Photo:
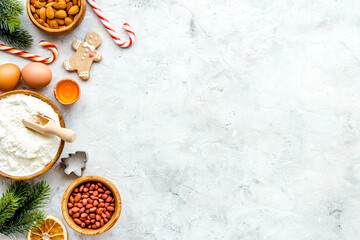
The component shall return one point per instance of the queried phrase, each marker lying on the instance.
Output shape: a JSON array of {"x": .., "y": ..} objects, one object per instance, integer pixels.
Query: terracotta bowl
[
  {"x": 70, "y": 221},
  {"x": 62, "y": 123},
  {"x": 76, "y": 22}
]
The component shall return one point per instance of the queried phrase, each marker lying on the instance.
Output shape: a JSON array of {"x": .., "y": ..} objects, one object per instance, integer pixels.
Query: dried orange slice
[{"x": 51, "y": 229}]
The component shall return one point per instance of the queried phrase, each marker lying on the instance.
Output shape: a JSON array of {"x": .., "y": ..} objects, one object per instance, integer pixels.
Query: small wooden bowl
[
  {"x": 76, "y": 22},
  {"x": 70, "y": 221},
  {"x": 62, "y": 123}
]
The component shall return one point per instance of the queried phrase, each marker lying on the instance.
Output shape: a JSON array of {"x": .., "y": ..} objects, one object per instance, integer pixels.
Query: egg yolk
[{"x": 68, "y": 92}]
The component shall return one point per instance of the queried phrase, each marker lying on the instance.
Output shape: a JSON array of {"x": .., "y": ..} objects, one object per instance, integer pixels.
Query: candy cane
[
  {"x": 33, "y": 57},
  {"x": 110, "y": 29}
]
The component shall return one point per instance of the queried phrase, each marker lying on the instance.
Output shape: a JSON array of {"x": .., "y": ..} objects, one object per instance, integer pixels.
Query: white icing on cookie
[{"x": 67, "y": 64}]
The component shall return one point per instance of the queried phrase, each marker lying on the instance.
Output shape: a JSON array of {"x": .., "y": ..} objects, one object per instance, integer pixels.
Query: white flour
[{"x": 23, "y": 151}]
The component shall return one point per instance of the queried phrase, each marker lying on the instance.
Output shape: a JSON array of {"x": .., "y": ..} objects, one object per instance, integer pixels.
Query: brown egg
[
  {"x": 9, "y": 76},
  {"x": 36, "y": 75}
]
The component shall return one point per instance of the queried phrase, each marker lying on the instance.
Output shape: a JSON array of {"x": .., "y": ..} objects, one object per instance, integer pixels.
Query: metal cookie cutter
[{"x": 76, "y": 163}]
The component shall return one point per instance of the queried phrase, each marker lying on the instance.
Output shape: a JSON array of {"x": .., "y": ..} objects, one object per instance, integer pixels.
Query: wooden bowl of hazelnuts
[
  {"x": 56, "y": 17},
  {"x": 91, "y": 205}
]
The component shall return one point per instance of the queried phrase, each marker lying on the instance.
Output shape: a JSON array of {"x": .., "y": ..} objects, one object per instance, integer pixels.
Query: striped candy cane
[
  {"x": 33, "y": 57},
  {"x": 110, "y": 29}
]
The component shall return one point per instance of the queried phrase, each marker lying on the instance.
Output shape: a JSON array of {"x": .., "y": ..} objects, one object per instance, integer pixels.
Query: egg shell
[
  {"x": 9, "y": 76},
  {"x": 36, "y": 75}
]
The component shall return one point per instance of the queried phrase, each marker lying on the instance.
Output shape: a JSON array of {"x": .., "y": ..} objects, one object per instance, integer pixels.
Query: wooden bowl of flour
[{"x": 62, "y": 124}]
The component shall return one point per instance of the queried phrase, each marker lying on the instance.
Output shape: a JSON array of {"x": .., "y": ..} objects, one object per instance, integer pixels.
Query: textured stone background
[{"x": 232, "y": 119}]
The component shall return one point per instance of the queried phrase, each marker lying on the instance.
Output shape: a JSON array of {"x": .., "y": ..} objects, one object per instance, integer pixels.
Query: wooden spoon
[{"x": 47, "y": 126}]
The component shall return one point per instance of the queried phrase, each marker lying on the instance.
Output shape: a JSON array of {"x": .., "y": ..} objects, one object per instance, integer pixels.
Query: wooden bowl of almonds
[
  {"x": 56, "y": 17},
  {"x": 91, "y": 205}
]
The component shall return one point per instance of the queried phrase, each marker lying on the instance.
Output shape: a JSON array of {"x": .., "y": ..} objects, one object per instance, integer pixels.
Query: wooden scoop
[{"x": 47, "y": 126}]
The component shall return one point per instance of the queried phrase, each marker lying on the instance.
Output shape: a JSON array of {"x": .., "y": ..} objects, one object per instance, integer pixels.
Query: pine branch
[
  {"x": 9, "y": 203},
  {"x": 10, "y": 24},
  {"x": 21, "y": 224},
  {"x": 11, "y": 32},
  {"x": 11, "y": 8},
  {"x": 19, "y": 38},
  {"x": 37, "y": 196},
  {"x": 12, "y": 200},
  {"x": 19, "y": 189},
  {"x": 18, "y": 219},
  {"x": 9, "y": 12}
]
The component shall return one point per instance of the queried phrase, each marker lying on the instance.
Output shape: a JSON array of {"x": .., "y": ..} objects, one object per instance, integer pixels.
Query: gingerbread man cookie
[{"x": 85, "y": 55}]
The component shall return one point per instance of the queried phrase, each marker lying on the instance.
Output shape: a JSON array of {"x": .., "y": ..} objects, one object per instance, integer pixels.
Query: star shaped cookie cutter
[{"x": 75, "y": 163}]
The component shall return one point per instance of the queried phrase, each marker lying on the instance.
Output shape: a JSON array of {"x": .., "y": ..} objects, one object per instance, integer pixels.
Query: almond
[
  {"x": 40, "y": 21},
  {"x": 32, "y": 8},
  {"x": 60, "y": 5},
  {"x": 74, "y": 10},
  {"x": 37, "y": 4},
  {"x": 78, "y": 196},
  {"x": 68, "y": 6},
  {"x": 37, "y": 11},
  {"x": 60, "y": 22},
  {"x": 36, "y": 16},
  {"x": 68, "y": 21},
  {"x": 97, "y": 224},
  {"x": 60, "y": 14},
  {"x": 53, "y": 24},
  {"x": 50, "y": 13},
  {"x": 49, "y": 4},
  {"x": 75, "y": 2},
  {"x": 75, "y": 209},
  {"x": 46, "y": 25},
  {"x": 43, "y": 14},
  {"x": 77, "y": 221}
]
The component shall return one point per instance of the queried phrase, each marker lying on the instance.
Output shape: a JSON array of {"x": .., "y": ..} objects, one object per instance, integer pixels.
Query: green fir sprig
[
  {"x": 11, "y": 32},
  {"x": 20, "y": 207}
]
